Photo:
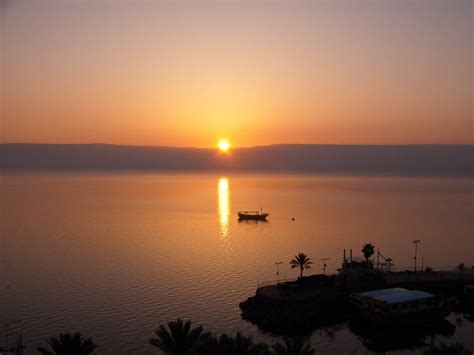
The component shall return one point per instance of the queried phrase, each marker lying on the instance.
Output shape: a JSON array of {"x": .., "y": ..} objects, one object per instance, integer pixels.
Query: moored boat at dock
[{"x": 394, "y": 307}]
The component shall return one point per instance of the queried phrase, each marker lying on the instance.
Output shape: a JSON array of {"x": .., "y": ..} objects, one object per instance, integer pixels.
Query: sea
[{"x": 114, "y": 254}]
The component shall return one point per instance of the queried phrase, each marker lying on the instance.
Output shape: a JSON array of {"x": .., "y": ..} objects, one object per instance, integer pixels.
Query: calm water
[{"x": 115, "y": 254}]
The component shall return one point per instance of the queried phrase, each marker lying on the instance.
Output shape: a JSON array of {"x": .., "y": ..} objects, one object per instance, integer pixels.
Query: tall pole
[
  {"x": 350, "y": 260},
  {"x": 324, "y": 264},
  {"x": 416, "y": 250},
  {"x": 278, "y": 263}
]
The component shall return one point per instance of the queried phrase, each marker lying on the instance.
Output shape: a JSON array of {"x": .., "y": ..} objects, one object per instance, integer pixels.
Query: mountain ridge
[{"x": 431, "y": 159}]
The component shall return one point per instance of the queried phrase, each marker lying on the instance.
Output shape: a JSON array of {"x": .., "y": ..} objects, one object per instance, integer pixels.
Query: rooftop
[{"x": 396, "y": 295}]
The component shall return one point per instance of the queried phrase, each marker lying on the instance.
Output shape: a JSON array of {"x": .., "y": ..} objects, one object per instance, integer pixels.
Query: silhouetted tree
[
  {"x": 368, "y": 251},
  {"x": 301, "y": 261},
  {"x": 69, "y": 344},
  {"x": 209, "y": 345},
  {"x": 461, "y": 267},
  {"x": 241, "y": 345},
  {"x": 178, "y": 339},
  {"x": 226, "y": 344},
  {"x": 293, "y": 346}
]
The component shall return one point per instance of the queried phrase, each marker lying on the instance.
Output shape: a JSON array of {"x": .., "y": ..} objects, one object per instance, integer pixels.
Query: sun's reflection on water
[{"x": 224, "y": 210}]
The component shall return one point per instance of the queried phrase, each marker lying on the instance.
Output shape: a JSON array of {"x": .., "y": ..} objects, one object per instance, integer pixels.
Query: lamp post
[
  {"x": 278, "y": 263},
  {"x": 416, "y": 250},
  {"x": 324, "y": 264}
]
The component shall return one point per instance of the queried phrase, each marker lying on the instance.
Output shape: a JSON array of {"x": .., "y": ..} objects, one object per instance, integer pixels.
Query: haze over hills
[{"x": 401, "y": 159}]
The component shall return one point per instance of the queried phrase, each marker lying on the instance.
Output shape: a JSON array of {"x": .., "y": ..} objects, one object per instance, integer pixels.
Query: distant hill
[{"x": 400, "y": 159}]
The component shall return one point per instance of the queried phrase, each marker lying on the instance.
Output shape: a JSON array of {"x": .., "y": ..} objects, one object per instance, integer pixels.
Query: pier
[{"x": 301, "y": 305}]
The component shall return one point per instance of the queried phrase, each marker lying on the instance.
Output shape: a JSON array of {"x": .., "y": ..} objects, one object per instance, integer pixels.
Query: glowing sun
[{"x": 223, "y": 145}]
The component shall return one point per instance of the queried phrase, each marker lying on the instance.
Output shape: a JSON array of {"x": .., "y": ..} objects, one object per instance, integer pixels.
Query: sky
[{"x": 188, "y": 73}]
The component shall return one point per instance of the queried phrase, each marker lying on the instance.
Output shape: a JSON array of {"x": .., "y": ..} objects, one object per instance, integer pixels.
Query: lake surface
[{"x": 114, "y": 255}]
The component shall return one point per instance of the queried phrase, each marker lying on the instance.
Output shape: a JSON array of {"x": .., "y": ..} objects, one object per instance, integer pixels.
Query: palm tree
[
  {"x": 293, "y": 346},
  {"x": 368, "y": 251},
  {"x": 69, "y": 344},
  {"x": 178, "y": 339},
  {"x": 302, "y": 261},
  {"x": 209, "y": 345},
  {"x": 461, "y": 267},
  {"x": 241, "y": 345},
  {"x": 226, "y": 344}
]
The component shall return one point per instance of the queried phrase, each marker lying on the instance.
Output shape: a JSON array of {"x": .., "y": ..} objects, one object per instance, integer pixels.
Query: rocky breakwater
[{"x": 293, "y": 309}]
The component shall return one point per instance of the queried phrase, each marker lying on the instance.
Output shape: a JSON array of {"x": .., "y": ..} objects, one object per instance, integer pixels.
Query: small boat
[
  {"x": 252, "y": 215},
  {"x": 394, "y": 307}
]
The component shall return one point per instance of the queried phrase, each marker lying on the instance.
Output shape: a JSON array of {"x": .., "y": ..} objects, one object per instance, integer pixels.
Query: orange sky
[{"x": 187, "y": 73}]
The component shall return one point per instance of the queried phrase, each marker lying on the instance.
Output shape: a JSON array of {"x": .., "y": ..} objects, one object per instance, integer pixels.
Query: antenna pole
[
  {"x": 416, "y": 250},
  {"x": 278, "y": 263}
]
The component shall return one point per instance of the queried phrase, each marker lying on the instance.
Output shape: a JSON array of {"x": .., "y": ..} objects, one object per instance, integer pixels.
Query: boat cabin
[{"x": 255, "y": 213}]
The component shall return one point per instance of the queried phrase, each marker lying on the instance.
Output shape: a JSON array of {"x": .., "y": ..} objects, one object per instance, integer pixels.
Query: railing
[
  {"x": 437, "y": 268},
  {"x": 405, "y": 274},
  {"x": 451, "y": 275},
  {"x": 274, "y": 282}
]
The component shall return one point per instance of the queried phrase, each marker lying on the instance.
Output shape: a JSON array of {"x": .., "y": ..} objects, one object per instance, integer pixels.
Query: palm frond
[
  {"x": 293, "y": 346},
  {"x": 178, "y": 339},
  {"x": 69, "y": 344}
]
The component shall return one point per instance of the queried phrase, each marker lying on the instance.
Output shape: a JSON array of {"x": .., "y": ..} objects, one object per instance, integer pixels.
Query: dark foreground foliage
[
  {"x": 180, "y": 338},
  {"x": 69, "y": 344}
]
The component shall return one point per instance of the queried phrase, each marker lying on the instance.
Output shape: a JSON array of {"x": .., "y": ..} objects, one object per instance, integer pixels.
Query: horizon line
[{"x": 247, "y": 147}]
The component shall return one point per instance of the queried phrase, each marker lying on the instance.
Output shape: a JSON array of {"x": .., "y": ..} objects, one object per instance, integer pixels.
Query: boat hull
[{"x": 254, "y": 217}]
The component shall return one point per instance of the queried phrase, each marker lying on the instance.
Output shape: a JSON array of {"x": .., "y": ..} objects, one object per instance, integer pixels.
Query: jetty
[{"x": 299, "y": 306}]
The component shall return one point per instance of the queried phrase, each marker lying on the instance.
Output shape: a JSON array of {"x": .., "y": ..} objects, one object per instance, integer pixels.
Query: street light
[
  {"x": 324, "y": 264},
  {"x": 416, "y": 250},
  {"x": 278, "y": 263}
]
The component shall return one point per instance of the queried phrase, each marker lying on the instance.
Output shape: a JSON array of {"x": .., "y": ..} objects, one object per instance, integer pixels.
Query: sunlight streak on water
[{"x": 223, "y": 196}]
